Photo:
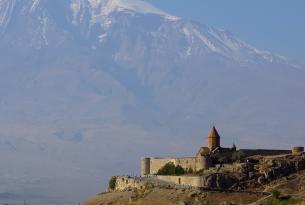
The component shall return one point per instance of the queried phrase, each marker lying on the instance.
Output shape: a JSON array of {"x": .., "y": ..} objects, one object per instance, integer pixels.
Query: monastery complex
[{"x": 202, "y": 160}]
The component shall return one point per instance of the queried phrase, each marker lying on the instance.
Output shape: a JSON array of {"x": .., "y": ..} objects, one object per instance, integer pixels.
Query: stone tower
[
  {"x": 213, "y": 139},
  {"x": 145, "y": 166}
]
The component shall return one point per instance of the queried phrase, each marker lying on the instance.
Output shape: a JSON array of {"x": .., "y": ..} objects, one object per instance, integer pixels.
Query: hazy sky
[{"x": 274, "y": 25}]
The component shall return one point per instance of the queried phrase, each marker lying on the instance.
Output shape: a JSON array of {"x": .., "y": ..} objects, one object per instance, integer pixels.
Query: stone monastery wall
[
  {"x": 157, "y": 163},
  {"x": 265, "y": 152},
  {"x": 151, "y": 166},
  {"x": 186, "y": 163},
  {"x": 192, "y": 181},
  {"x": 125, "y": 182}
]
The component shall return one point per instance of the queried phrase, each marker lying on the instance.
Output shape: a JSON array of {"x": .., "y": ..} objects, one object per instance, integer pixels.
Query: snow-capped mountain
[
  {"x": 83, "y": 82},
  {"x": 95, "y": 20}
]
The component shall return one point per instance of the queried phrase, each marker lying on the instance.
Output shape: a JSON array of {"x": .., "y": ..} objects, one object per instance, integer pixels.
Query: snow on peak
[
  {"x": 224, "y": 43},
  {"x": 138, "y": 6},
  {"x": 6, "y": 10},
  {"x": 35, "y": 4}
]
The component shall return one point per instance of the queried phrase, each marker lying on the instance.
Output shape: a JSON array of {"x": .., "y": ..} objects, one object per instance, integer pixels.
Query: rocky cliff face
[
  {"x": 277, "y": 168},
  {"x": 249, "y": 175},
  {"x": 259, "y": 174}
]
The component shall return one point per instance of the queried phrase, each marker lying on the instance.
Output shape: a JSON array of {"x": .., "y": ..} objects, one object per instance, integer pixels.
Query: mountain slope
[{"x": 83, "y": 82}]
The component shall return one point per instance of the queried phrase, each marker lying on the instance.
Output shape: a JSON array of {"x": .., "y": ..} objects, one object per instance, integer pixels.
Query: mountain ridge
[{"x": 216, "y": 40}]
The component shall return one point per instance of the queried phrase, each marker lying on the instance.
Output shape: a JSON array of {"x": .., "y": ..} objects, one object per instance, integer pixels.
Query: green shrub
[
  {"x": 167, "y": 169},
  {"x": 112, "y": 183},
  {"x": 278, "y": 199},
  {"x": 275, "y": 194},
  {"x": 190, "y": 171},
  {"x": 179, "y": 170},
  {"x": 274, "y": 201},
  {"x": 170, "y": 169}
]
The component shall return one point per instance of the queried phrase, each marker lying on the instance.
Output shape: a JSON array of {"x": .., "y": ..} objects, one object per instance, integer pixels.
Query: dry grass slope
[{"x": 163, "y": 196}]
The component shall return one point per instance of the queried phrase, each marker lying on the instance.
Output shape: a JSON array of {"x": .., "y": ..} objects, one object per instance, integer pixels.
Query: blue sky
[{"x": 274, "y": 25}]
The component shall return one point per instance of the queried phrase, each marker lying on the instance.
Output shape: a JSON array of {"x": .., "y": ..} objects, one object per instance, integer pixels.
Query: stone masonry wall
[
  {"x": 193, "y": 181},
  {"x": 125, "y": 182},
  {"x": 157, "y": 163},
  {"x": 186, "y": 163},
  {"x": 264, "y": 152}
]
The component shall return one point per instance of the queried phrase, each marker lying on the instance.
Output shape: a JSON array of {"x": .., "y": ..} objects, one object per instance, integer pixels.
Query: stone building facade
[{"x": 150, "y": 166}]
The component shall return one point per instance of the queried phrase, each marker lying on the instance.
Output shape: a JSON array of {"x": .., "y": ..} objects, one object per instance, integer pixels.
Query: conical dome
[
  {"x": 213, "y": 133},
  {"x": 213, "y": 139}
]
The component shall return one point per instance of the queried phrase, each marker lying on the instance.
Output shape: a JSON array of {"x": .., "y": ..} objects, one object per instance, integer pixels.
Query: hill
[
  {"x": 284, "y": 183},
  {"x": 292, "y": 186}
]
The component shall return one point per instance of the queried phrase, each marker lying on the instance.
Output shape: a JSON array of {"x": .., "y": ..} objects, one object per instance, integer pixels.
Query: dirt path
[{"x": 260, "y": 200}]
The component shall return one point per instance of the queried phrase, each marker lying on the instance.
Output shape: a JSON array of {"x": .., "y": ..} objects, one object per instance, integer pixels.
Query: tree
[
  {"x": 167, "y": 169},
  {"x": 170, "y": 169},
  {"x": 179, "y": 170},
  {"x": 112, "y": 183},
  {"x": 190, "y": 171}
]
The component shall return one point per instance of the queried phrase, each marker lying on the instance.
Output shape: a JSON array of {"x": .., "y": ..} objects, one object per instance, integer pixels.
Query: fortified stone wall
[
  {"x": 150, "y": 166},
  {"x": 264, "y": 152},
  {"x": 187, "y": 163},
  {"x": 126, "y": 182},
  {"x": 195, "y": 163},
  {"x": 193, "y": 181},
  {"x": 157, "y": 163}
]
